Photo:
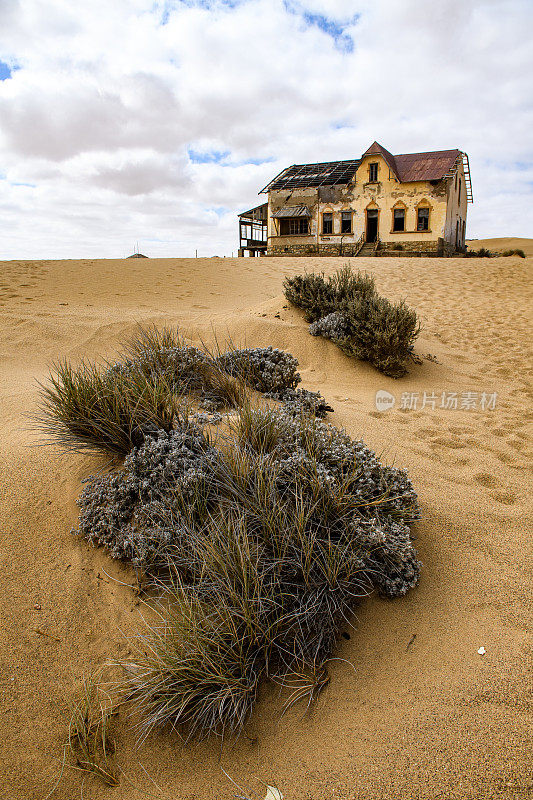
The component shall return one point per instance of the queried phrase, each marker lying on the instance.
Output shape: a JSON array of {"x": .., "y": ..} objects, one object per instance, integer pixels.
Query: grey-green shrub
[
  {"x": 319, "y": 296},
  {"x": 355, "y": 317}
]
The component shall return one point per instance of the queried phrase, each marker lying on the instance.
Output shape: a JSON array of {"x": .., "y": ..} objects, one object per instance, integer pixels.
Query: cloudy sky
[{"x": 134, "y": 120}]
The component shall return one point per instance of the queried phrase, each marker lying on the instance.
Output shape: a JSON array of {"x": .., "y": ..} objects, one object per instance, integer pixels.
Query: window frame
[
  {"x": 373, "y": 166},
  {"x": 404, "y": 212},
  {"x": 292, "y": 223},
  {"x": 425, "y": 216},
  {"x": 346, "y": 216},
  {"x": 329, "y": 221}
]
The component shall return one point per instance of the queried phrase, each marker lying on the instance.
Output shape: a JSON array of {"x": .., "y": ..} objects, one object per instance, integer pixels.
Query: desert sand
[{"x": 412, "y": 710}]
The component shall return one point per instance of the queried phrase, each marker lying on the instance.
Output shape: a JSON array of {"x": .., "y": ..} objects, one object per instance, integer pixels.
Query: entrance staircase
[{"x": 367, "y": 249}]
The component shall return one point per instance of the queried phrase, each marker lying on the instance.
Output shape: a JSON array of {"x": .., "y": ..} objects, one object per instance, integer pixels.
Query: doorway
[{"x": 371, "y": 224}]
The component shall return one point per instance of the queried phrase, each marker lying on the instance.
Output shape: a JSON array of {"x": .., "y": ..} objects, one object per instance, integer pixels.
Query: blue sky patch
[
  {"x": 327, "y": 25},
  {"x": 207, "y": 156},
  {"x": 5, "y": 71}
]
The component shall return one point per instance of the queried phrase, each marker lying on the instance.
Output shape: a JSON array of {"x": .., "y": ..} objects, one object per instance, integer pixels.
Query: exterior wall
[
  {"x": 383, "y": 196},
  {"x": 456, "y": 209}
]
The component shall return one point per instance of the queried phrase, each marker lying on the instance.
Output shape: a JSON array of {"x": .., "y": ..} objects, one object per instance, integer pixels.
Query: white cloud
[{"x": 110, "y": 98}]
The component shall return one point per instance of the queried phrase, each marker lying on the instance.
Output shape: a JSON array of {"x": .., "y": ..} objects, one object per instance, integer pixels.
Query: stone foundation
[
  {"x": 311, "y": 250},
  {"x": 438, "y": 248}
]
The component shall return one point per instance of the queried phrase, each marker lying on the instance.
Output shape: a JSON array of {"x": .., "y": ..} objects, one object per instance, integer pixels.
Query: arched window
[{"x": 423, "y": 211}]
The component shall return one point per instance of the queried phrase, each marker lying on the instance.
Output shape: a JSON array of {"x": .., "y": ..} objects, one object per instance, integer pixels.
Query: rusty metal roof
[
  {"x": 430, "y": 166},
  {"x": 292, "y": 211}
]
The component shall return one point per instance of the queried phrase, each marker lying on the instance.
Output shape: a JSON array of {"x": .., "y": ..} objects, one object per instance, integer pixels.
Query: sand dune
[{"x": 429, "y": 719}]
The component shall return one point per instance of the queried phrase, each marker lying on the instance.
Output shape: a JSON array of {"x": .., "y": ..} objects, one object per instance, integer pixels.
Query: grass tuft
[
  {"x": 86, "y": 408},
  {"x": 89, "y": 734}
]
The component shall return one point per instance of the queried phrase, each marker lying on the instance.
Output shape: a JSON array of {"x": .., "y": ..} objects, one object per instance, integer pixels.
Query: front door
[{"x": 371, "y": 224}]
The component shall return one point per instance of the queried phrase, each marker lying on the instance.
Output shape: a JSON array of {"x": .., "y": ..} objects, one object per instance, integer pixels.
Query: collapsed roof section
[{"x": 326, "y": 173}]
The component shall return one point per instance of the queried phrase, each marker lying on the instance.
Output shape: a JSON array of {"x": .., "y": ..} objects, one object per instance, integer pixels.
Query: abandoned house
[{"x": 377, "y": 204}]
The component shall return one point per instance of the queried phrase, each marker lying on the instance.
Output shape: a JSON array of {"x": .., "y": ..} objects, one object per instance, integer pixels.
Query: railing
[{"x": 359, "y": 244}]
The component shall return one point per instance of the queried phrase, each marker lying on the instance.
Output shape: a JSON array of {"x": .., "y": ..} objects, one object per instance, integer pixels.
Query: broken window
[
  {"x": 399, "y": 219},
  {"x": 422, "y": 223},
  {"x": 327, "y": 223},
  {"x": 373, "y": 172},
  {"x": 346, "y": 222},
  {"x": 293, "y": 226}
]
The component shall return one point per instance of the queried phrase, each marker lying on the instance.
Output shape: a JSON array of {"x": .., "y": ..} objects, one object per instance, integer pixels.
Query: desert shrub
[
  {"x": 111, "y": 408},
  {"x": 333, "y": 326},
  {"x": 85, "y": 408},
  {"x": 515, "y": 252},
  {"x": 274, "y": 373},
  {"x": 318, "y": 296},
  {"x": 312, "y": 293},
  {"x": 363, "y": 324},
  {"x": 141, "y": 512},
  {"x": 382, "y": 333},
  {"x": 186, "y": 368},
  {"x": 302, "y": 401},
  {"x": 481, "y": 253}
]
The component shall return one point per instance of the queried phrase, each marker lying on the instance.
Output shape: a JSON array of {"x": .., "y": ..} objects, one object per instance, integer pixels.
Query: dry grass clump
[
  {"x": 516, "y": 252},
  {"x": 481, "y": 253},
  {"x": 89, "y": 734},
  {"x": 347, "y": 309},
  {"x": 87, "y": 408}
]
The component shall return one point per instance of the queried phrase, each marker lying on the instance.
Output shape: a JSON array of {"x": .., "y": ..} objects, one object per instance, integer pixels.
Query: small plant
[
  {"x": 481, "y": 253},
  {"x": 517, "y": 252},
  {"x": 397, "y": 246},
  {"x": 89, "y": 734},
  {"x": 258, "y": 429}
]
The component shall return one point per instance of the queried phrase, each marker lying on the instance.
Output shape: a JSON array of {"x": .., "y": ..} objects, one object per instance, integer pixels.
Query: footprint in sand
[
  {"x": 507, "y": 498},
  {"x": 485, "y": 479}
]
